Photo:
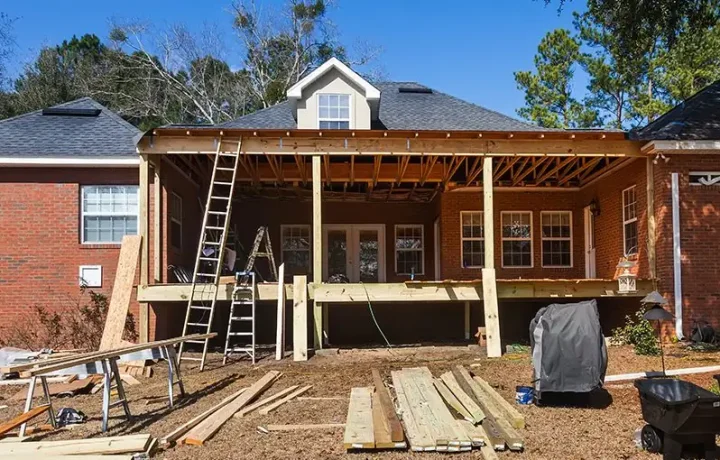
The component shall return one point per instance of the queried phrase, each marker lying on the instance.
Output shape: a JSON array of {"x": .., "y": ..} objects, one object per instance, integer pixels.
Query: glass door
[
  {"x": 354, "y": 253},
  {"x": 336, "y": 266}
]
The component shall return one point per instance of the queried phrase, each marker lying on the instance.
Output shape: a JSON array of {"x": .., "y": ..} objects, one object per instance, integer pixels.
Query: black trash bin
[{"x": 681, "y": 418}]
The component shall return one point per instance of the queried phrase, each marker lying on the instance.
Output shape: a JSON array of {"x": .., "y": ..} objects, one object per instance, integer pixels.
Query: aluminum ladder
[
  {"x": 263, "y": 234},
  {"x": 211, "y": 250},
  {"x": 243, "y": 299}
]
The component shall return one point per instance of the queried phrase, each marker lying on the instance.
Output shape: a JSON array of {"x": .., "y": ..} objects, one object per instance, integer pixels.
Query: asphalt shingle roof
[
  {"x": 36, "y": 135},
  {"x": 696, "y": 118},
  {"x": 425, "y": 110}
]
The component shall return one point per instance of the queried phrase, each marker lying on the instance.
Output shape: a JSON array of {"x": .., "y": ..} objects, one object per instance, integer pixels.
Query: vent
[
  {"x": 69, "y": 112},
  {"x": 416, "y": 90}
]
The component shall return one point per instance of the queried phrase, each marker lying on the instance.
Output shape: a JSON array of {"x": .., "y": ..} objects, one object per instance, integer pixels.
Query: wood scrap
[
  {"x": 322, "y": 398},
  {"x": 388, "y": 409},
  {"x": 318, "y": 426},
  {"x": 129, "y": 379},
  {"x": 516, "y": 419},
  {"x": 381, "y": 427},
  {"x": 276, "y": 404},
  {"x": 23, "y": 418},
  {"x": 187, "y": 426},
  {"x": 263, "y": 402},
  {"x": 468, "y": 403},
  {"x": 207, "y": 428},
  {"x": 57, "y": 389},
  {"x": 359, "y": 432},
  {"x": 88, "y": 446}
]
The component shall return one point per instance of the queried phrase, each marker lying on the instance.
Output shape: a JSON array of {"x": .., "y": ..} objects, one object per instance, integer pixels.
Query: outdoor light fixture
[
  {"x": 594, "y": 207},
  {"x": 626, "y": 280},
  {"x": 654, "y": 303}
]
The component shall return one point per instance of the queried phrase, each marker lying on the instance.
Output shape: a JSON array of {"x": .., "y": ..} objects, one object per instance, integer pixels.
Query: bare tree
[{"x": 7, "y": 42}]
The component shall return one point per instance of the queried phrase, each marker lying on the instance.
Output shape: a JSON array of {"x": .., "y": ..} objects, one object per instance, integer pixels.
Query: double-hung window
[
  {"x": 108, "y": 212},
  {"x": 334, "y": 111},
  {"x": 517, "y": 239},
  {"x": 176, "y": 221},
  {"x": 630, "y": 225},
  {"x": 296, "y": 249},
  {"x": 473, "y": 239},
  {"x": 409, "y": 250},
  {"x": 556, "y": 233}
]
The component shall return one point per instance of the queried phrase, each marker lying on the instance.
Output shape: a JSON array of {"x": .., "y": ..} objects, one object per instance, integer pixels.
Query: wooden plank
[
  {"x": 23, "y": 418},
  {"x": 280, "y": 331},
  {"x": 58, "y": 379},
  {"x": 359, "y": 432},
  {"x": 388, "y": 409},
  {"x": 187, "y": 426},
  {"x": 488, "y": 216},
  {"x": 263, "y": 402},
  {"x": 317, "y": 246},
  {"x": 381, "y": 427},
  {"x": 121, "y": 292},
  {"x": 487, "y": 450},
  {"x": 287, "y": 398},
  {"x": 318, "y": 426},
  {"x": 157, "y": 221},
  {"x": 207, "y": 428},
  {"x": 71, "y": 457},
  {"x": 451, "y": 400},
  {"x": 74, "y": 447},
  {"x": 421, "y": 412},
  {"x": 467, "y": 320},
  {"x": 57, "y": 389},
  {"x": 516, "y": 419},
  {"x": 143, "y": 232},
  {"x": 300, "y": 344},
  {"x": 476, "y": 434},
  {"x": 495, "y": 437},
  {"x": 492, "y": 321},
  {"x": 419, "y": 438},
  {"x": 476, "y": 413}
]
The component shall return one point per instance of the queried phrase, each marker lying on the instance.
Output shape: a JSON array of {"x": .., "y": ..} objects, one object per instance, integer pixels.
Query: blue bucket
[{"x": 524, "y": 395}]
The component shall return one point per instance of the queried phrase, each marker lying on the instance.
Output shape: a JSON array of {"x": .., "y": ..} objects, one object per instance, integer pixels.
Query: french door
[{"x": 356, "y": 252}]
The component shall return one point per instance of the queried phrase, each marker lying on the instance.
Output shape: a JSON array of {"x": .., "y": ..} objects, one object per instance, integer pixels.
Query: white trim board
[
  {"x": 68, "y": 162},
  {"x": 295, "y": 92}
]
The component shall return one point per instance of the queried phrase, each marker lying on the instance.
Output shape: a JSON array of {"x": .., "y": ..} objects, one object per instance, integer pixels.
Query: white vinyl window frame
[
  {"x": 421, "y": 250},
  {"x": 463, "y": 238},
  {"x": 306, "y": 227},
  {"x": 176, "y": 216},
  {"x": 628, "y": 220},
  {"x": 348, "y": 119},
  {"x": 504, "y": 239},
  {"x": 544, "y": 238},
  {"x": 84, "y": 213}
]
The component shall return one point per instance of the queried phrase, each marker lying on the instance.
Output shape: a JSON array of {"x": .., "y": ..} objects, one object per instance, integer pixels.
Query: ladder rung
[
  {"x": 200, "y": 307},
  {"x": 222, "y": 154},
  {"x": 206, "y": 274},
  {"x": 242, "y": 302},
  {"x": 190, "y": 358},
  {"x": 240, "y": 333},
  {"x": 194, "y": 341},
  {"x": 217, "y": 182},
  {"x": 117, "y": 403},
  {"x": 230, "y": 350},
  {"x": 212, "y": 243},
  {"x": 210, "y": 259},
  {"x": 215, "y": 197},
  {"x": 222, "y": 168},
  {"x": 242, "y": 318},
  {"x": 218, "y": 213},
  {"x": 212, "y": 227},
  {"x": 198, "y": 324}
]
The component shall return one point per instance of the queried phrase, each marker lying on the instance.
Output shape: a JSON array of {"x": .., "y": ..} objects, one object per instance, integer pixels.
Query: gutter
[{"x": 37, "y": 162}]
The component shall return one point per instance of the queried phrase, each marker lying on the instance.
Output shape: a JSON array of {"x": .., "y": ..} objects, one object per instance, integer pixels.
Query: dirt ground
[{"x": 551, "y": 433}]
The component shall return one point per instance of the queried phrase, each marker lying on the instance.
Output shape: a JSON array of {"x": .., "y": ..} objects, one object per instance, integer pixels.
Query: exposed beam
[
  {"x": 475, "y": 170},
  {"x": 590, "y": 164},
  {"x": 302, "y": 168},
  {"x": 546, "y": 175},
  {"x": 529, "y": 170},
  {"x": 509, "y": 163},
  {"x": 377, "y": 162}
]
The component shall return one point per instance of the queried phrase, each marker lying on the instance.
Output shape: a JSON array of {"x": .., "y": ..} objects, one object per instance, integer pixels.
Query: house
[{"x": 440, "y": 215}]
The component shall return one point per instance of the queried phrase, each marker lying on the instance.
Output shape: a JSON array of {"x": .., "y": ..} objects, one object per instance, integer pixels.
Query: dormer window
[{"x": 334, "y": 111}]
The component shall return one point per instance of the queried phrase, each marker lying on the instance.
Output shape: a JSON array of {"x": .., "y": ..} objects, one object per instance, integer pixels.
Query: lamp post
[{"x": 657, "y": 313}]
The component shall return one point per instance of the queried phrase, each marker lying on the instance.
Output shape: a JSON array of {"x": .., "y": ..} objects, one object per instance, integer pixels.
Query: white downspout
[{"x": 677, "y": 255}]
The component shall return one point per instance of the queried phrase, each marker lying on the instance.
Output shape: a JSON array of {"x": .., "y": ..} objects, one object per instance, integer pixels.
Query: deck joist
[{"x": 425, "y": 291}]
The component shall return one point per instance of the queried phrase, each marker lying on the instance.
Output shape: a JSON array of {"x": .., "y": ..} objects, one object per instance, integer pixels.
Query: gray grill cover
[{"x": 568, "y": 348}]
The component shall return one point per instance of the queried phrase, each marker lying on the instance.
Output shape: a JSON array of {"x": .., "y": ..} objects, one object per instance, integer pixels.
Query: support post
[
  {"x": 677, "y": 256},
  {"x": 467, "y": 320},
  {"x": 300, "y": 318},
  {"x": 144, "y": 244},
  {"x": 157, "y": 223},
  {"x": 280, "y": 331},
  {"x": 490, "y": 302},
  {"x": 651, "y": 223},
  {"x": 317, "y": 247}
]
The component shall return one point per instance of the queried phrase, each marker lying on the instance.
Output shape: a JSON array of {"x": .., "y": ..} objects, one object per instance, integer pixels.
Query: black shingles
[{"x": 36, "y": 135}]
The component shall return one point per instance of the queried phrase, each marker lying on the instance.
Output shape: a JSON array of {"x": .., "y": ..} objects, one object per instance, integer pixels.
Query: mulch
[{"x": 551, "y": 432}]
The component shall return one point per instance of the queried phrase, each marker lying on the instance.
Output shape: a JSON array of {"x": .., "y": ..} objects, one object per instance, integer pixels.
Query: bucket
[{"x": 524, "y": 395}]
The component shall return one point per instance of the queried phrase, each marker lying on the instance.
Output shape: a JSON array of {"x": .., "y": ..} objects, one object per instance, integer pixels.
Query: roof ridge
[{"x": 677, "y": 106}]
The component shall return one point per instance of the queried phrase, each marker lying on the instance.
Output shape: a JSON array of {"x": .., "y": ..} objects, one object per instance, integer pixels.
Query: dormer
[{"x": 334, "y": 97}]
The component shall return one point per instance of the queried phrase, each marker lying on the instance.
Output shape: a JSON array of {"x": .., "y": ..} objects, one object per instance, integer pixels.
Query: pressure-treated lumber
[
  {"x": 495, "y": 437},
  {"x": 264, "y": 402},
  {"x": 77, "y": 447},
  {"x": 23, "y": 418},
  {"x": 187, "y": 426},
  {"x": 319, "y": 426},
  {"x": 388, "y": 408},
  {"x": 381, "y": 428},
  {"x": 144, "y": 234},
  {"x": 451, "y": 400},
  {"x": 317, "y": 248},
  {"x": 516, "y": 419},
  {"x": 122, "y": 292},
  {"x": 670, "y": 372},
  {"x": 492, "y": 321},
  {"x": 475, "y": 433},
  {"x": 280, "y": 331},
  {"x": 487, "y": 450},
  {"x": 300, "y": 340},
  {"x": 208, "y": 427},
  {"x": 276, "y": 404},
  {"x": 476, "y": 413},
  {"x": 418, "y": 434},
  {"x": 359, "y": 432}
]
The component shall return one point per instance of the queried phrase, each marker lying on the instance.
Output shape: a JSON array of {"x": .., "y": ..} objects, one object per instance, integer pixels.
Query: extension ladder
[
  {"x": 262, "y": 234},
  {"x": 211, "y": 250},
  {"x": 242, "y": 312}
]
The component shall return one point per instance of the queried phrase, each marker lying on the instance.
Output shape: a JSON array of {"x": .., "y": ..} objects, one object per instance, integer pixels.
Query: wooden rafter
[
  {"x": 523, "y": 174},
  {"x": 352, "y": 171},
  {"x": 302, "y": 168},
  {"x": 427, "y": 168},
  {"x": 328, "y": 176},
  {"x": 276, "y": 166},
  {"x": 246, "y": 163},
  {"x": 509, "y": 163},
  {"x": 548, "y": 174},
  {"x": 590, "y": 164},
  {"x": 611, "y": 166},
  {"x": 517, "y": 171},
  {"x": 377, "y": 162},
  {"x": 540, "y": 171},
  {"x": 475, "y": 170},
  {"x": 402, "y": 168},
  {"x": 590, "y": 170},
  {"x": 455, "y": 163}
]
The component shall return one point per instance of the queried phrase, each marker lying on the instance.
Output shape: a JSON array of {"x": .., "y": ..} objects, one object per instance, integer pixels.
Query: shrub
[
  {"x": 715, "y": 388},
  {"x": 79, "y": 324},
  {"x": 639, "y": 333}
]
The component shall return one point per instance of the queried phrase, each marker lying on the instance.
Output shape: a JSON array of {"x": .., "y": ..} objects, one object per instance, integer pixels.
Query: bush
[
  {"x": 715, "y": 388},
  {"x": 76, "y": 325},
  {"x": 639, "y": 333}
]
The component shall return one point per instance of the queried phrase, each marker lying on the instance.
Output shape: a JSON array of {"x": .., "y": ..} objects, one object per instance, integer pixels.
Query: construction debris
[{"x": 23, "y": 418}]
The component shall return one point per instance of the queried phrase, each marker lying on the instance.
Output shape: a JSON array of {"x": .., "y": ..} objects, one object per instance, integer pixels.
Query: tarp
[{"x": 568, "y": 348}]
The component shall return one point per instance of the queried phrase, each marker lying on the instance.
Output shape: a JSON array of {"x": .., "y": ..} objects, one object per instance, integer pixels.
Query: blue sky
[{"x": 469, "y": 49}]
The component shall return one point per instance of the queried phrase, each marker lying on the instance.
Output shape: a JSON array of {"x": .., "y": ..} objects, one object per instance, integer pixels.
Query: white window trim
[
  {"x": 628, "y": 221},
  {"x": 173, "y": 218},
  {"x": 283, "y": 227},
  {"x": 503, "y": 239},
  {"x": 556, "y": 238},
  {"x": 82, "y": 268},
  {"x": 350, "y": 109},
  {"x": 82, "y": 214},
  {"x": 471, "y": 238},
  {"x": 422, "y": 248}
]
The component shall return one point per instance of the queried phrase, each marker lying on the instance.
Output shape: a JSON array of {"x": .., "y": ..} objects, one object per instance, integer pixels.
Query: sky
[{"x": 467, "y": 48}]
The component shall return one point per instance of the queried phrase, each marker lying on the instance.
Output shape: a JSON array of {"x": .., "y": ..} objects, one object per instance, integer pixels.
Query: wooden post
[
  {"x": 300, "y": 318},
  {"x": 490, "y": 302},
  {"x": 280, "y": 332},
  {"x": 317, "y": 247},
  {"x": 467, "y": 320},
  {"x": 145, "y": 246},
  {"x": 157, "y": 223},
  {"x": 677, "y": 256},
  {"x": 651, "y": 224}
]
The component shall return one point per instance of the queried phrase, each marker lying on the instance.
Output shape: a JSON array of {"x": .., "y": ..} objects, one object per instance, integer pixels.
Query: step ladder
[
  {"x": 242, "y": 315},
  {"x": 211, "y": 250},
  {"x": 263, "y": 234}
]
